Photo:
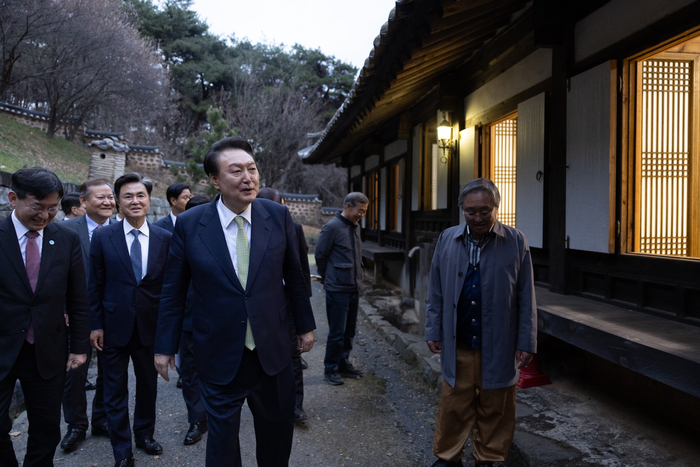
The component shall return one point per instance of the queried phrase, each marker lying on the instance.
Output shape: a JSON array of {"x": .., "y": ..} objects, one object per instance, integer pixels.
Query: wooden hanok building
[{"x": 585, "y": 114}]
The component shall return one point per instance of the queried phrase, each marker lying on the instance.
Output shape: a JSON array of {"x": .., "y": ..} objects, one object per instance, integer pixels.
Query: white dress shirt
[
  {"x": 226, "y": 216},
  {"x": 173, "y": 218},
  {"x": 143, "y": 240},
  {"x": 92, "y": 225},
  {"x": 22, "y": 239}
]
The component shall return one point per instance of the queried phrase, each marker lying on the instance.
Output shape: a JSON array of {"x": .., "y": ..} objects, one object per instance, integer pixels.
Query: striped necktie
[{"x": 243, "y": 255}]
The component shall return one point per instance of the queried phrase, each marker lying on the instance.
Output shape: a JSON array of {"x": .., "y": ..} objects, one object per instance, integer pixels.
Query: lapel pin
[{"x": 51, "y": 242}]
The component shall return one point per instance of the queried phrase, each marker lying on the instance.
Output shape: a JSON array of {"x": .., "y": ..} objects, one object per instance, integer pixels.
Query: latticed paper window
[
  {"x": 664, "y": 158},
  {"x": 503, "y": 144}
]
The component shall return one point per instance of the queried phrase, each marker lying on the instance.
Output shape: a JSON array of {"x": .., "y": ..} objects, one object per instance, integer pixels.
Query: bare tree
[
  {"x": 275, "y": 120},
  {"x": 21, "y": 23},
  {"x": 95, "y": 58}
]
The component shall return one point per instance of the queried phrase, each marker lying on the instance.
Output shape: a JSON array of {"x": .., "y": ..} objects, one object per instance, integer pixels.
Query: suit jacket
[
  {"x": 79, "y": 225},
  {"x": 303, "y": 255},
  {"x": 165, "y": 223},
  {"x": 61, "y": 284},
  {"x": 508, "y": 310},
  {"x": 198, "y": 252},
  {"x": 116, "y": 300}
]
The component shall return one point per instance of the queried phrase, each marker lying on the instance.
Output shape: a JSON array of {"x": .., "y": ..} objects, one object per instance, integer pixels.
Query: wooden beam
[{"x": 503, "y": 7}]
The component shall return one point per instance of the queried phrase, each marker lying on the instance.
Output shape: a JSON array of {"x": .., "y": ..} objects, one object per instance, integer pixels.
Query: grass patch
[{"x": 21, "y": 144}]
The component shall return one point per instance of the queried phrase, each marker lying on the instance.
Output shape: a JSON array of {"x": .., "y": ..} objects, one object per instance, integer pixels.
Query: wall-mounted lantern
[{"x": 444, "y": 134}]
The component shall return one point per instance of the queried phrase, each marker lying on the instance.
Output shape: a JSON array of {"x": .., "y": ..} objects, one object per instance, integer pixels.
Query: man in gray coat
[
  {"x": 482, "y": 317},
  {"x": 339, "y": 263}
]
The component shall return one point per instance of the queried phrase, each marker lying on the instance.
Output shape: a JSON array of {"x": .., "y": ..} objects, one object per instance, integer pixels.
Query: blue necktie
[{"x": 136, "y": 255}]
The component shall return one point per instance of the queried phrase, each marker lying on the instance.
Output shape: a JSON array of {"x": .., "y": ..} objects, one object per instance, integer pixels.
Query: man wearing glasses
[
  {"x": 42, "y": 275},
  {"x": 482, "y": 317}
]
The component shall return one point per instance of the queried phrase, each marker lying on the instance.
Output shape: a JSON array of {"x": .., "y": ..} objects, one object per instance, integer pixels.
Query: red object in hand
[{"x": 531, "y": 376}]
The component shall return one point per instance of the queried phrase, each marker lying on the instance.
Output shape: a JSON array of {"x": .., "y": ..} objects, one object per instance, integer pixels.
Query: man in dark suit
[
  {"x": 97, "y": 200},
  {"x": 238, "y": 251},
  {"x": 196, "y": 414},
  {"x": 178, "y": 194},
  {"x": 42, "y": 276},
  {"x": 298, "y": 362},
  {"x": 127, "y": 266}
]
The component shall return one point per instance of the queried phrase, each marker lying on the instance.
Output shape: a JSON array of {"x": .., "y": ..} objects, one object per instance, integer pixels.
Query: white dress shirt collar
[
  {"x": 128, "y": 227},
  {"x": 92, "y": 225},
  {"x": 227, "y": 216},
  {"x": 173, "y": 218},
  {"x": 21, "y": 229}
]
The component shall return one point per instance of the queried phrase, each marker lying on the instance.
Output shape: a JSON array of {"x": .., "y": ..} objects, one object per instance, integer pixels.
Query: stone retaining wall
[
  {"x": 142, "y": 162},
  {"x": 35, "y": 119}
]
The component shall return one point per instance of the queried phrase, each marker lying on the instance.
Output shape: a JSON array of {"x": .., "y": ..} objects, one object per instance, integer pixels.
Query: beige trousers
[{"x": 488, "y": 415}]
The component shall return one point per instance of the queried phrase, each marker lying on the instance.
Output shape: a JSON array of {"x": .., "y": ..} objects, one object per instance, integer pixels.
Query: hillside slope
[{"x": 21, "y": 144}]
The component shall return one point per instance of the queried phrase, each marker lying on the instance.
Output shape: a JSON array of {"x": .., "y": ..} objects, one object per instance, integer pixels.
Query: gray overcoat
[{"x": 508, "y": 311}]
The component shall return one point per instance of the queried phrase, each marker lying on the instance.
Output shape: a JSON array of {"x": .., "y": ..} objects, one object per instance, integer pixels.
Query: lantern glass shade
[{"x": 444, "y": 131}]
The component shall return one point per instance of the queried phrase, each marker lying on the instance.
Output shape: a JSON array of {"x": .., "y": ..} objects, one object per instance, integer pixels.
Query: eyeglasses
[
  {"x": 37, "y": 209},
  {"x": 484, "y": 213}
]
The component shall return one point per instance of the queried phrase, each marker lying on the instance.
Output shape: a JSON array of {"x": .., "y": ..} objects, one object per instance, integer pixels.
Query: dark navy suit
[
  {"x": 229, "y": 373},
  {"x": 187, "y": 369},
  {"x": 127, "y": 312},
  {"x": 74, "y": 398},
  {"x": 165, "y": 223}
]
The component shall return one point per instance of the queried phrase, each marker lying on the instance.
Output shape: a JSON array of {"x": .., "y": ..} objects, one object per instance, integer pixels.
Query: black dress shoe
[
  {"x": 444, "y": 463},
  {"x": 194, "y": 434},
  {"x": 73, "y": 438},
  {"x": 150, "y": 446},
  {"x": 304, "y": 365},
  {"x": 179, "y": 382},
  {"x": 125, "y": 463},
  {"x": 90, "y": 386},
  {"x": 333, "y": 378},
  {"x": 349, "y": 371},
  {"x": 300, "y": 414},
  {"x": 100, "y": 430}
]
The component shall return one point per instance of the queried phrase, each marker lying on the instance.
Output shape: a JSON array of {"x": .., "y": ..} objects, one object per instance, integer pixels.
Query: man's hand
[
  {"x": 523, "y": 358},
  {"x": 162, "y": 363},
  {"x": 75, "y": 360},
  {"x": 65, "y": 316},
  {"x": 435, "y": 346},
  {"x": 97, "y": 339},
  {"x": 305, "y": 341}
]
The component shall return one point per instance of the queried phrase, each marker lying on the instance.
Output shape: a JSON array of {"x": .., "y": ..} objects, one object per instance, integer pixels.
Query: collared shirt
[
  {"x": 143, "y": 240},
  {"x": 226, "y": 216},
  {"x": 173, "y": 218},
  {"x": 92, "y": 225},
  {"x": 23, "y": 239},
  {"x": 474, "y": 246}
]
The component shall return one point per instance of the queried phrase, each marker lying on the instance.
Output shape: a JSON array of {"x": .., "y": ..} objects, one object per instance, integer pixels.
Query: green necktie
[{"x": 243, "y": 255}]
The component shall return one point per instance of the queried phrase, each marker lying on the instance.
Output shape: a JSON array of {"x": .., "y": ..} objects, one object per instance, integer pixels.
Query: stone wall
[
  {"x": 145, "y": 163},
  {"x": 159, "y": 208},
  {"x": 305, "y": 209},
  {"x": 107, "y": 163},
  {"x": 34, "y": 119}
]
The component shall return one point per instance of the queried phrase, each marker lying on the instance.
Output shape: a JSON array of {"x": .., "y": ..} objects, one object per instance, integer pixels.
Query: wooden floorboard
[{"x": 661, "y": 349}]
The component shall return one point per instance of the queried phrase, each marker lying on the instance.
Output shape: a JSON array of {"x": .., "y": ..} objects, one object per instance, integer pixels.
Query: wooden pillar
[{"x": 556, "y": 175}]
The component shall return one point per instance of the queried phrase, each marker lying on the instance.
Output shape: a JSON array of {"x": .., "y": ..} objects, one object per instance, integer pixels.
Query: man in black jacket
[
  {"x": 97, "y": 199},
  {"x": 339, "y": 262},
  {"x": 42, "y": 276}
]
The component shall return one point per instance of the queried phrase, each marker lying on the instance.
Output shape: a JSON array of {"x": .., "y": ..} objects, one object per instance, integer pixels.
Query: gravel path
[{"x": 387, "y": 418}]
